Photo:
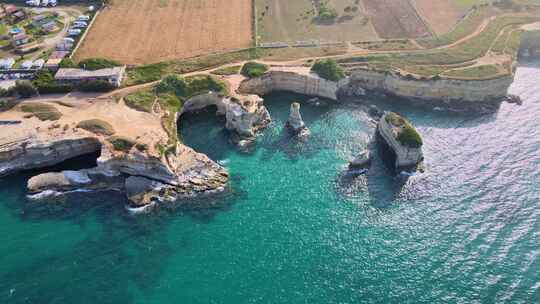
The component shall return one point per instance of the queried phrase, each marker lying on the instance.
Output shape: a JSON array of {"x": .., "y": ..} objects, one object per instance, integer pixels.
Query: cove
[{"x": 294, "y": 230}]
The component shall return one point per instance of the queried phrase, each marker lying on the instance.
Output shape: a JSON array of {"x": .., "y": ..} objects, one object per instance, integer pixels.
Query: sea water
[{"x": 295, "y": 228}]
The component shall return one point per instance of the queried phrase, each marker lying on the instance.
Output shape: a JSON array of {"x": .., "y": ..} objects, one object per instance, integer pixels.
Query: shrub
[
  {"x": 95, "y": 86},
  {"x": 185, "y": 88},
  {"x": 141, "y": 147},
  {"x": 328, "y": 69},
  {"x": 173, "y": 83},
  {"x": 121, "y": 143},
  {"x": 141, "y": 101},
  {"x": 25, "y": 88},
  {"x": 327, "y": 13},
  {"x": 253, "y": 69},
  {"x": 67, "y": 63},
  {"x": 96, "y": 126},
  {"x": 93, "y": 64},
  {"x": 410, "y": 137},
  {"x": 45, "y": 84},
  {"x": 42, "y": 111}
]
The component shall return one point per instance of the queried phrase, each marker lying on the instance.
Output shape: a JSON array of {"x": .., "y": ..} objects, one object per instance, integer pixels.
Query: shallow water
[{"x": 296, "y": 229}]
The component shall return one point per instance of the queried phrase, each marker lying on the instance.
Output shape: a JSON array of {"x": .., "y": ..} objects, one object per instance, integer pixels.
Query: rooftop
[{"x": 69, "y": 73}]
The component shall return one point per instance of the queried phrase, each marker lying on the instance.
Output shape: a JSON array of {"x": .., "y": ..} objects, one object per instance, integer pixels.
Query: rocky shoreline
[{"x": 151, "y": 176}]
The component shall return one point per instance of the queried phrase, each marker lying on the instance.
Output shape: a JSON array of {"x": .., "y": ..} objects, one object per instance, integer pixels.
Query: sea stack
[
  {"x": 295, "y": 124},
  {"x": 402, "y": 139}
]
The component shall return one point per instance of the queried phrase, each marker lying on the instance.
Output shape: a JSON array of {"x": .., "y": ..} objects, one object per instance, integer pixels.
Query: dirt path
[{"x": 351, "y": 51}]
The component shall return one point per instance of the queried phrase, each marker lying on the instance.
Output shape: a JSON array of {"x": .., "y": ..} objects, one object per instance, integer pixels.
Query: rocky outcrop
[
  {"x": 56, "y": 183},
  {"x": 295, "y": 124},
  {"x": 37, "y": 144},
  {"x": 454, "y": 94},
  {"x": 408, "y": 153},
  {"x": 245, "y": 114},
  {"x": 31, "y": 153},
  {"x": 362, "y": 161},
  {"x": 282, "y": 80}
]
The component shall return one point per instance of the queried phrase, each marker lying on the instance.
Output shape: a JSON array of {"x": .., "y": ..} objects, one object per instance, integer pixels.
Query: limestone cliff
[
  {"x": 244, "y": 114},
  {"x": 30, "y": 152},
  {"x": 455, "y": 94},
  {"x": 36, "y": 144},
  {"x": 407, "y": 149},
  {"x": 301, "y": 82}
]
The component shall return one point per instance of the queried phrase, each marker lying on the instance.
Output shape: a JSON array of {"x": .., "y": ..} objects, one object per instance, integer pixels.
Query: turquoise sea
[{"x": 296, "y": 229}]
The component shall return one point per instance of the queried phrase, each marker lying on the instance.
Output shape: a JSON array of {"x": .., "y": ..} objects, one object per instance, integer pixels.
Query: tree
[
  {"x": 25, "y": 88},
  {"x": 328, "y": 69}
]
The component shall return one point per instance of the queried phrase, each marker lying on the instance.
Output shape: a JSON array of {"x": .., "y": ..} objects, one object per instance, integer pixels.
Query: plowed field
[
  {"x": 396, "y": 19},
  {"x": 147, "y": 31}
]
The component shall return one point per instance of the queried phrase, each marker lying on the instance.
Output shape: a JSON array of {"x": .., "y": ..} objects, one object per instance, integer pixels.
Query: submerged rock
[
  {"x": 295, "y": 124},
  {"x": 363, "y": 160}
]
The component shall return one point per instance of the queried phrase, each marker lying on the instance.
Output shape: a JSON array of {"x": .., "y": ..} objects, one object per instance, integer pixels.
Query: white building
[{"x": 113, "y": 75}]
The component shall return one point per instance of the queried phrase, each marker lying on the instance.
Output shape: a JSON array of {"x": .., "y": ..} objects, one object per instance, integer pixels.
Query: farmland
[
  {"x": 289, "y": 21},
  {"x": 396, "y": 19},
  {"x": 147, "y": 31}
]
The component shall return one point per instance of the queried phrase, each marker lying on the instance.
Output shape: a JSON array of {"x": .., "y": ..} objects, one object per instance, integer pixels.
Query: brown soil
[
  {"x": 147, "y": 31},
  {"x": 441, "y": 15},
  {"x": 396, "y": 19}
]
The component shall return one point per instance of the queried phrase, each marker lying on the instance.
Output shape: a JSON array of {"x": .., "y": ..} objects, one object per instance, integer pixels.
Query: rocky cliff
[
  {"x": 407, "y": 149},
  {"x": 36, "y": 144},
  {"x": 452, "y": 93},
  {"x": 30, "y": 152},
  {"x": 301, "y": 82},
  {"x": 244, "y": 114}
]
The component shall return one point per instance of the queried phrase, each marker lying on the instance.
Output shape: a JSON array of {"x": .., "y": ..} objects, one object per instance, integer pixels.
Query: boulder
[{"x": 363, "y": 160}]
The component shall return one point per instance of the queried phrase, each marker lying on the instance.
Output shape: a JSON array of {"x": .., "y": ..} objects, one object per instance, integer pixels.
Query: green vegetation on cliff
[
  {"x": 407, "y": 136},
  {"x": 253, "y": 69},
  {"x": 121, "y": 143},
  {"x": 170, "y": 94},
  {"x": 328, "y": 69}
]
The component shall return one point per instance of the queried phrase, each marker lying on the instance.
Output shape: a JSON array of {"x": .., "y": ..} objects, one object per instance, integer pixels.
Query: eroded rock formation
[
  {"x": 295, "y": 124},
  {"x": 399, "y": 135}
]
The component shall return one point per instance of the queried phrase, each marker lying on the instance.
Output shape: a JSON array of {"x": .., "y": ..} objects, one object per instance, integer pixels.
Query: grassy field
[
  {"x": 147, "y": 31},
  {"x": 156, "y": 71},
  {"x": 290, "y": 21},
  {"x": 499, "y": 36}
]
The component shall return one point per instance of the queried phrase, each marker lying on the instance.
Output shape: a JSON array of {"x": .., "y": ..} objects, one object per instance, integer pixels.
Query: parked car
[
  {"x": 83, "y": 18},
  {"x": 33, "y": 2},
  {"x": 69, "y": 40},
  {"x": 74, "y": 32},
  {"x": 44, "y": 2},
  {"x": 79, "y": 25}
]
